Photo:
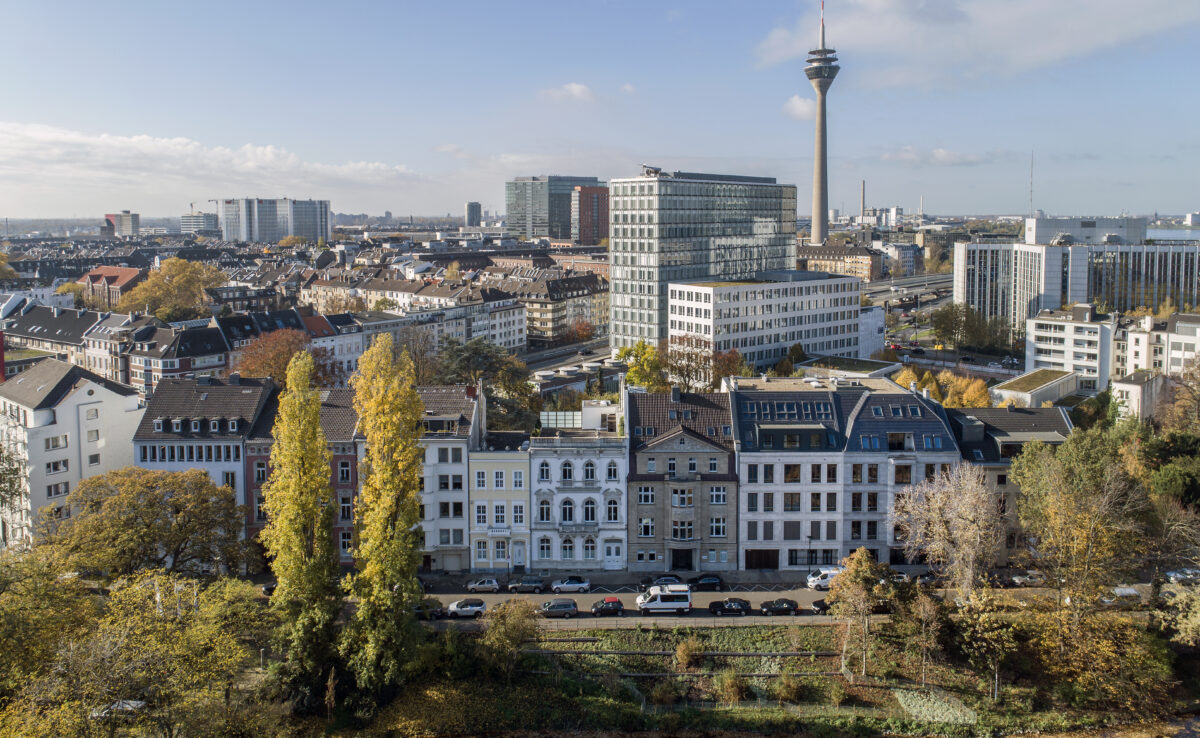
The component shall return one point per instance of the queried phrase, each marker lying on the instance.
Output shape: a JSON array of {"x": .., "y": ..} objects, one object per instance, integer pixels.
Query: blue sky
[{"x": 417, "y": 107}]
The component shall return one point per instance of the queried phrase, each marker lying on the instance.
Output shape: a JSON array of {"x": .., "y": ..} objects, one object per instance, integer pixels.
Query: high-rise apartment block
[
  {"x": 589, "y": 215},
  {"x": 202, "y": 223},
  {"x": 684, "y": 226},
  {"x": 473, "y": 217},
  {"x": 540, "y": 207},
  {"x": 122, "y": 224},
  {"x": 256, "y": 220}
]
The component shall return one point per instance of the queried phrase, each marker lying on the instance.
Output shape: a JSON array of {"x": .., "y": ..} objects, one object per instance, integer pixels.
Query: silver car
[
  {"x": 570, "y": 584},
  {"x": 487, "y": 584},
  {"x": 468, "y": 608}
]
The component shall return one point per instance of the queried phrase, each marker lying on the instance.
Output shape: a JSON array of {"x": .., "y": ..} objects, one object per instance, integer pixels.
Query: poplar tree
[
  {"x": 380, "y": 635},
  {"x": 299, "y": 539}
]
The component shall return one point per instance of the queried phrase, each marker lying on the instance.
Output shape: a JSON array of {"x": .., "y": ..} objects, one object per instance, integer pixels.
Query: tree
[
  {"x": 12, "y": 477},
  {"x": 6, "y": 271},
  {"x": 270, "y": 353},
  {"x": 345, "y": 304},
  {"x": 379, "y": 637},
  {"x": 453, "y": 272},
  {"x": 384, "y": 303},
  {"x": 288, "y": 242},
  {"x": 422, "y": 351},
  {"x": 299, "y": 539},
  {"x": 74, "y": 289},
  {"x": 906, "y": 377},
  {"x": 134, "y": 519},
  {"x": 175, "y": 291},
  {"x": 986, "y": 636},
  {"x": 689, "y": 362},
  {"x": 509, "y": 626},
  {"x": 728, "y": 364},
  {"x": 1182, "y": 616},
  {"x": 512, "y": 401},
  {"x": 580, "y": 331},
  {"x": 947, "y": 322},
  {"x": 977, "y": 395},
  {"x": 952, "y": 520},
  {"x": 645, "y": 366},
  {"x": 925, "y": 616},
  {"x": 1180, "y": 411},
  {"x": 853, "y": 596}
]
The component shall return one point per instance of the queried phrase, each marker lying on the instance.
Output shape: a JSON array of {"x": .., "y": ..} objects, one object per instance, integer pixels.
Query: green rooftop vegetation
[
  {"x": 1032, "y": 381},
  {"x": 844, "y": 364},
  {"x": 11, "y": 354}
]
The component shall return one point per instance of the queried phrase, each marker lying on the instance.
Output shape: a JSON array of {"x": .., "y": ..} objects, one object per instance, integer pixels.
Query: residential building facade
[
  {"x": 452, "y": 426},
  {"x": 499, "y": 502},
  {"x": 105, "y": 285}
]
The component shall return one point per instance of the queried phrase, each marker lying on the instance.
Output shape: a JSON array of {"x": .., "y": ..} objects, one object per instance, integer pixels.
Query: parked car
[
  {"x": 820, "y": 607},
  {"x": 268, "y": 589},
  {"x": 729, "y": 606},
  {"x": 676, "y": 598},
  {"x": 1029, "y": 578},
  {"x": 931, "y": 578},
  {"x": 967, "y": 359},
  {"x": 1183, "y": 576},
  {"x": 918, "y": 351},
  {"x": 570, "y": 584},
  {"x": 899, "y": 577},
  {"x": 781, "y": 606},
  {"x": 820, "y": 579},
  {"x": 661, "y": 581},
  {"x": 487, "y": 584},
  {"x": 608, "y": 606},
  {"x": 468, "y": 608},
  {"x": 895, "y": 346},
  {"x": 706, "y": 583},
  {"x": 586, "y": 352},
  {"x": 527, "y": 584},
  {"x": 1122, "y": 597},
  {"x": 429, "y": 608},
  {"x": 995, "y": 365},
  {"x": 559, "y": 607}
]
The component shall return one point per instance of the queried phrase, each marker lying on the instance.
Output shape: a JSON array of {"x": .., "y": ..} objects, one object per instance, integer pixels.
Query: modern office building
[
  {"x": 201, "y": 223},
  {"x": 1087, "y": 260},
  {"x": 540, "y": 207},
  {"x": 685, "y": 226},
  {"x": 255, "y": 220},
  {"x": 589, "y": 215},
  {"x": 1077, "y": 340},
  {"x": 473, "y": 217},
  {"x": 822, "y": 68},
  {"x": 123, "y": 224},
  {"x": 765, "y": 316}
]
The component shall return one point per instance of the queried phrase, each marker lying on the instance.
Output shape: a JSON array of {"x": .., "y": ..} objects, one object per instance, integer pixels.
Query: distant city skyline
[{"x": 944, "y": 100}]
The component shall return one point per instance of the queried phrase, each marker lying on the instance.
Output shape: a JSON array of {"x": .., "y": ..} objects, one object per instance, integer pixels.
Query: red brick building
[
  {"x": 107, "y": 284},
  {"x": 589, "y": 215}
]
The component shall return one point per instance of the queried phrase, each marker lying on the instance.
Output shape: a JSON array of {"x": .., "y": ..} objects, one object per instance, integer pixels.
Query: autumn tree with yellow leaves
[{"x": 175, "y": 291}]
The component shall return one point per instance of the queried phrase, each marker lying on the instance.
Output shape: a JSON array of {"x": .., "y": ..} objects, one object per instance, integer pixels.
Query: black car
[
  {"x": 730, "y": 606},
  {"x": 662, "y": 581},
  {"x": 820, "y": 607},
  {"x": 527, "y": 584},
  {"x": 586, "y": 352},
  {"x": 269, "y": 588},
  {"x": 918, "y": 351},
  {"x": 608, "y": 606},
  {"x": 781, "y": 606},
  {"x": 706, "y": 583},
  {"x": 967, "y": 359}
]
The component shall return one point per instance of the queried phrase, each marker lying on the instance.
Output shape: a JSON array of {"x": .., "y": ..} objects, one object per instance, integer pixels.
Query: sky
[{"x": 418, "y": 107}]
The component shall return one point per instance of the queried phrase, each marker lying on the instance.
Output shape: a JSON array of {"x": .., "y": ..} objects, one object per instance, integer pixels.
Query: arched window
[
  {"x": 568, "y": 549},
  {"x": 568, "y": 471},
  {"x": 568, "y": 511},
  {"x": 614, "y": 511},
  {"x": 544, "y": 471},
  {"x": 544, "y": 511},
  {"x": 612, "y": 471},
  {"x": 589, "y": 511},
  {"x": 589, "y": 471},
  {"x": 589, "y": 550},
  {"x": 544, "y": 549}
]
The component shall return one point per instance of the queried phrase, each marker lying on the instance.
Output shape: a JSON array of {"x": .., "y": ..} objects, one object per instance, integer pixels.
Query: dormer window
[
  {"x": 158, "y": 426},
  {"x": 232, "y": 424},
  {"x": 176, "y": 425},
  {"x": 195, "y": 426},
  {"x": 214, "y": 426}
]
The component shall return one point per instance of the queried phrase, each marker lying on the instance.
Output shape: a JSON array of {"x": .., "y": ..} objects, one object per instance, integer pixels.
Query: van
[
  {"x": 821, "y": 578},
  {"x": 676, "y": 598}
]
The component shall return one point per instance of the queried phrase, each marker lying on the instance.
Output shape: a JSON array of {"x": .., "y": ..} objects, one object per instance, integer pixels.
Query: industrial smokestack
[{"x": 862, "y": 200}]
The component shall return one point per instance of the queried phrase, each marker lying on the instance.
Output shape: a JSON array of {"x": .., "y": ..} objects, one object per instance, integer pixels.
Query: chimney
[
  {"x": 925, "y": 393},
  {"x": 912, "y": 387},
  {"x": 675, "y": 394},
  {"x": 234, "y": 378}
]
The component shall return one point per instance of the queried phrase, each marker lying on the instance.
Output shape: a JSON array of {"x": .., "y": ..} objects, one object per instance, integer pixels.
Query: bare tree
[
  {"x": 422, "y": 349},
  {"x": 954, "y": 521},
  {"x": 689, "y": 362}
]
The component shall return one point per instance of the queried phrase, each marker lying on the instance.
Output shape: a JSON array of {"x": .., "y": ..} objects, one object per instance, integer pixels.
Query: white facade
[
  {"x": 578, "y": 508},
  {"x": 196, "y": 222},
  {"x": 1045, "y": 230},
  {"x": 872, "y": 328},
  {"x": 762, "y": 318},
  {"x": 1076, "y": 340},
  {"x": 258, "y": 220},
  {"x": 87, "y": 431}
]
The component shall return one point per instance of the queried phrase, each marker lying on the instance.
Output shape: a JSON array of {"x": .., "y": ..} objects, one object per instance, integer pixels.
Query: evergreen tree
[
  {"x": 299, "y": 539},
  {"x": 381, "y": 633}
]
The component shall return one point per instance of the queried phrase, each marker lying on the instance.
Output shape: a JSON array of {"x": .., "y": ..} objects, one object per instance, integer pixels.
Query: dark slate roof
[
  {"x": 199, "y": 342},
  {"x": 63, "y": 325},
  {"x": 1006, "y": 426},
  {"x": 505, "y": 440},
  {"x": 704, "y": 413},
  {"x": 204, "y": 398},
  {"x": 48, "y": 381},
  {"x": 339, "y": 420},
  {"x": 274, "y": 320},
  {"x": 240, "y": 327},
  {"x": 449, "y": 404}
]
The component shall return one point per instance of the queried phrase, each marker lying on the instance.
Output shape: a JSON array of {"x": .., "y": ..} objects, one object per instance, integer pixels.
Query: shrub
[
  {"x": 789, "y": 688},
  {"x": 664, "y": 693},
  {"x": 730, "y": 687},
  {"x": 687, "y": 653},
  {"x": 837, "y": 693}
]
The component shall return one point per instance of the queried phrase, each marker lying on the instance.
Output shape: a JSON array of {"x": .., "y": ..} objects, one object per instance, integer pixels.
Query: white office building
[
  {"x": 1077, "y": 340},
  {"x": 199, "y": 223},
  {"x": 762, "y": 317},
  {"x": 256, "y": 220},
  {"x": 683, "y": 227}
]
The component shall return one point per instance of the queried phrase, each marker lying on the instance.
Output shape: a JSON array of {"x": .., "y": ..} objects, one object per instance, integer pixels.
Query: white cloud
[
  {"x": 451, "y": 149},
  {"x": 570, "y": 91},
  {"x": 938, "y": 41},
  {"x": 800, "y": 108},
  {"x": 917, "y": 157},
  {"x": 627, "y": 88}
]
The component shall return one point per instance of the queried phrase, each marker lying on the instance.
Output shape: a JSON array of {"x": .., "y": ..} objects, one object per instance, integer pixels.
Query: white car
[
  {"x": 1183, "y": 576},
  {"x": 468, "y": 608},
  {"x": 820, "y": 579},
  {"x": 570, "y": 584},
  {"x": 1029, "y": 579},
  {"x": 994, "y": 365},
  {"x": 487, "y": 584}
]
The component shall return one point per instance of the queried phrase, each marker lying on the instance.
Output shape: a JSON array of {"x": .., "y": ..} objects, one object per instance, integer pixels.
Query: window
[
  {"x": 501, "y": 550},
  {"x": 443, "y": 481},
  {"x": 814, "y": 530},
  {"x": 792, "y": 473},
  {"x": 692, "y": 465},
  {"x": 544, "y": 511},
  {"x": 872, "y": 473},
  {"x": 751, "y": 530},
  {"x": 518, "y": 480},
  {"x": 260, "y": 471},
  {"x": 544, "y": 471},
  {"x": 614, "y": 511},
  {"x": 93, "y": 436},
  {"x": 568, "y": 549},
  {"x": 612, "y": 471},
  {"x": 681, "y": 530},
  {"x": 793, "y": 502},
  {"x": 930, "y": 471},
  {"x": 681, "y": 497},
  {"x": 347, "y": 538},
  {"x": 855, "y": 530},
  {"x": 589, "y": 511},
  {"x": 56, "y": 467},
  {"x": 229, "y": 479},
  {"x": 712, "y": 464},
  {"x": 752, "y": 474},
  {"x": 856, "y": 502},
  {"x": 671, "y": 466},
  {"x": 457, "y": 535},
  {"x": 544, "y": 548},
  {"x": 158, "y": 426},
  {"x": 589, "y": 549},
  {"x": 768, "y": 473},
  {"x": 716, "y": 495},
  {"x": 456, "y": 455},
  {"x": 56, "y": 442},
  {"x": 457, "y": 508},
  {"x": 831, "y": 502},
  {"x": 589, "y": 472},
  {"x": 650, "y": 465},
  {"x": 814, "y": 502},
  {"x": 443, "y": 509},
  {"x": 93, "y": 459},
  {"x": 481, "y": 550},
  {"x": 568, "y": 511},
  {"x": 646, "y": 527},
  {"x": 498, "y": 480},
  {"x": 481, "y": 515},
  {"x": 498, "y": 515},
  {"x": 345, "y": 508},
  {"x": 1001, "y": 479},
  {"x": 480, "y": 480},
  {"x": 93, "y": 413},
  {"x": 232, "y": 425},
  {"x": 831, "y": 529},
  {"x": 872, "y": 530},
  {"x": 566, "y": 471},
  {"x": 903, "y": 474},
  {"x": 214, "y": 426},
  {"x": 814, "y": 474},
  {"x": 195, "y": 426},
  {"x": 768, "y": 502},
  {"x": 872, "y": 502},
  {"x": 645, "y": 495},
  {"x": 260, "y": 509},
  {"x": 716, "y": 527},
  {"x": 831, "y": 473},
  {"x": 456, "y": 481},
  {"x": 343, "y": 472},
  {"x": 518, "y": 516},
  {"x": 57, "y": 490},
  {"x": 752, "y": 502}
]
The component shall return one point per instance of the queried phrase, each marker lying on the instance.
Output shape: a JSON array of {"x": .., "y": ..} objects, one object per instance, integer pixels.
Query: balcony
[
  {"x": 576, "y": 529},
  {"x": 579, "y": 484},
  {"x": 499, "y": 530}
]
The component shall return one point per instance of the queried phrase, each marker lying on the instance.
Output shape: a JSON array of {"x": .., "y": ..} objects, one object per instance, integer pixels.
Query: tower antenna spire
[{"x": 821, "y": 38}]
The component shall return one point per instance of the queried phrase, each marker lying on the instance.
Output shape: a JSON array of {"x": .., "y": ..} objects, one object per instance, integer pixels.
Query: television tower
[{"x": 822, "y": 68}]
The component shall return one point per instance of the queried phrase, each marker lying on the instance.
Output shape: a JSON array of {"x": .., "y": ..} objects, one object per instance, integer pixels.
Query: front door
[
  {"x": 681, "y": 558},
  {"x": 614, "y": 555},
  {"x": 518, "y": 555}
]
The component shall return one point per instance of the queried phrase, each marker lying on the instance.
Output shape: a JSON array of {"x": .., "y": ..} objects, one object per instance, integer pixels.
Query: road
[
  {"x": 925, "y": 283},
  {"x": 567, "y": 355}
]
